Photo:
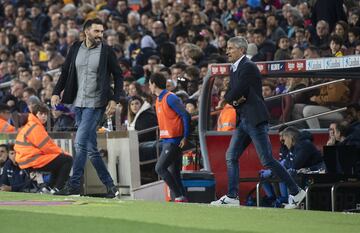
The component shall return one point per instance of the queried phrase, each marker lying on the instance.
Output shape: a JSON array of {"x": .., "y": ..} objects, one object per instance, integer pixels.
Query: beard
[{"x": 95, "y": 41}]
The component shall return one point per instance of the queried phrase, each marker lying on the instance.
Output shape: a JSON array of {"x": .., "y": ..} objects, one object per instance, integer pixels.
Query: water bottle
[{"x": 109, "y": 124}]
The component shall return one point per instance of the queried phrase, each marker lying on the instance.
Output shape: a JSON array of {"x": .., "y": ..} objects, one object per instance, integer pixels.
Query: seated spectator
[
  {"x": 266, "y": 47},
  {"x": 5, "y": 127},
  {"x": 304, "y": 152},
  {"x": 337, "y": 133},
  {"x": 13, "y": 178},
  {"x": 4, "y": 155},
  {"x": 336, "y": 44},
  {"x": 352, "y": 120},
  {"x": 279, "y": 108},
  {"x": 283, "y": 51},
  {"x": 35, "y": 150},
  {"x": 330, "y": 97},
  {"x": 297, "y": 152},
  {"x": 353, "y": 36},
  {"x": 63, "y": 119},
  {"x": 141, "y": 116}
]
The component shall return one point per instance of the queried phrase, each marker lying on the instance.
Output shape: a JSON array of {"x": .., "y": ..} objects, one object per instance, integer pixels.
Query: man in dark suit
[{"x": 245, "y": 94}]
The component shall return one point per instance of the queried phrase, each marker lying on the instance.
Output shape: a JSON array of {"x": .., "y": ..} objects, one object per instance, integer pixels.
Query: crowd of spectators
[{"x": 179, "y": 39}]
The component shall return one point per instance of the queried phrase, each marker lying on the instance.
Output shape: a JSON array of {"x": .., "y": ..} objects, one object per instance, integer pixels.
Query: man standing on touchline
[
  {"x": 86, "y": 83},
  {"x": 245, "y": 94}
]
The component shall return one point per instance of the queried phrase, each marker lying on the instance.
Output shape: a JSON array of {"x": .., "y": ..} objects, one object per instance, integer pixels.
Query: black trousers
[
  {"x": 168, "y": 167},
  {"x": 60, "y": 169}
]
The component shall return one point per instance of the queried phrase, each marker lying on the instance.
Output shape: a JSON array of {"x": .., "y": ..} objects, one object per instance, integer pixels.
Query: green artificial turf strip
[{"x": 103, "y": 215}]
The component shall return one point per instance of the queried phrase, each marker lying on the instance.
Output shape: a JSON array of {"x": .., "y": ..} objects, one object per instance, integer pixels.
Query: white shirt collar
[{"x": 235, "y": 65}]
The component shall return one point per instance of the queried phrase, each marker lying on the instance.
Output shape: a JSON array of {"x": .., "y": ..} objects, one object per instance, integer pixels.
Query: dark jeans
[
  {"x": 168, "y": 168},
  {"x": 86, "y": 146},
  {"x": 60, "y": 169},
  {"x": 242, "y": 136}
]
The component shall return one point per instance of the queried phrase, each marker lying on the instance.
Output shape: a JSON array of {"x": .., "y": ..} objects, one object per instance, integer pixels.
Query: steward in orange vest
[
  {"x": 5, "y": 127},
  {"x": 37, "y": 151},
  {"x": 174, "y": 124},
  {"x": 227, "y": 119}
]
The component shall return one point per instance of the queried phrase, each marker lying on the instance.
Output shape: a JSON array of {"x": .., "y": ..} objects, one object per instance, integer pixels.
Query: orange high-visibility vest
[
  {"x": 33, "y": 146},
  {"x": 227, "y": 119},
  {"x": 170, "y": 123},
  {"x": 5, "y": 127}
]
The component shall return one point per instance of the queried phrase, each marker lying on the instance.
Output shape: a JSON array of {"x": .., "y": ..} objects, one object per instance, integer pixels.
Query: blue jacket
[
  {"x": 15, "y": 177},
  {"x": 304, "y": 154}
]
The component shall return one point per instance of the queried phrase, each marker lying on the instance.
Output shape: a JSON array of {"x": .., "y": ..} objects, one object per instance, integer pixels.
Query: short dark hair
[
  {"x": 260, "y": 32},
  {"x": 158, "y": 79},
  {"x": 5, "y": 146},
  {"x": 30, "y": 90},
  {"x": 90, "y": 22},
  {"x": 42, "y": 108},
  {"x": 337, "y": 40}
]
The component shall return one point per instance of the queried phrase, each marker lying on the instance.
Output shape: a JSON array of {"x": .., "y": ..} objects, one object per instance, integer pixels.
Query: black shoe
[
  {"x": 68, "y": 190},
  {"x": 112, "y": 192}
]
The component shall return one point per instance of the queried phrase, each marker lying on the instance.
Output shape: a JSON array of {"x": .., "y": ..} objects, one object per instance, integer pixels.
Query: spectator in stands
[
  {"x": 89, "y": 111},
  {"x": 321, "y": 39},
  {"x": 4, "y": 155},
  {"x": 304, "y": 152},
  {"x": 278, "y": 108},
  {"x": 204, "y": 44},
  {"x": 63, "y": 118},
  {"x": 158, "y": 33},
  {"x": 353, "y": 36},
  {"x": 135, "y": 89},
  {"x": 266, "y": 48},
  {"x": 41, "y": 23},
  {"x": 183, "y": 26},
  {"x": 4, "y": 72},
  {"x": 141, "y": 116},
  {"x": 13, "y": 178},
  {"x": 37, "y": 151},
  {"x": 283, "y": 51},
  {"x": 273, "y": 30},
  {"x": 336, "y": 43},
  {"x": 352, "y": 121},
  {"x": 300, "y": 39},
  {"x": 341, "y": 29},
  {"x": 337, "y": 133},
  {"x": 332, "y": 95},
  {"x": 297, "y": 53},
  {"x": 5, "y": 126}
]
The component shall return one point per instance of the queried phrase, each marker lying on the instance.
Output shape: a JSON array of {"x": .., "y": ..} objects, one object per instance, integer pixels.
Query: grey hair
[
  {"x": 292, "y": 132},
  {"x": 239, "y": 42}
]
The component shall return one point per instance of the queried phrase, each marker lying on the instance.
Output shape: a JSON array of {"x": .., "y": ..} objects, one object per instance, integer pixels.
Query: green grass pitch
[{"x": 99, "y": 215}]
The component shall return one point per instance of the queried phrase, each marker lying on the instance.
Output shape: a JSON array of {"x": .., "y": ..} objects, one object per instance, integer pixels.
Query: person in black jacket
[
  {"x": 86, "y": 83},
  {"x": 13, "y": 178},
  {"x": 63, "y": 119},
  {"x": 141, "y": 116},
  {"x": 245, "y": 94},
  {"x": 303, "y": 153}
]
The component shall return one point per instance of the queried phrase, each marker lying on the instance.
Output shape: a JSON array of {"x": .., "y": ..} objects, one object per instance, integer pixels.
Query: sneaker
[
  {"x": 181, "y": 199},
  {"x": 45, "y": 190},
  {"x": 68, "y": 190},
  {"x": 225, "y": 200},
  {"x": 294, "y": 201},
  {"x": 112, "y": 192}
]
